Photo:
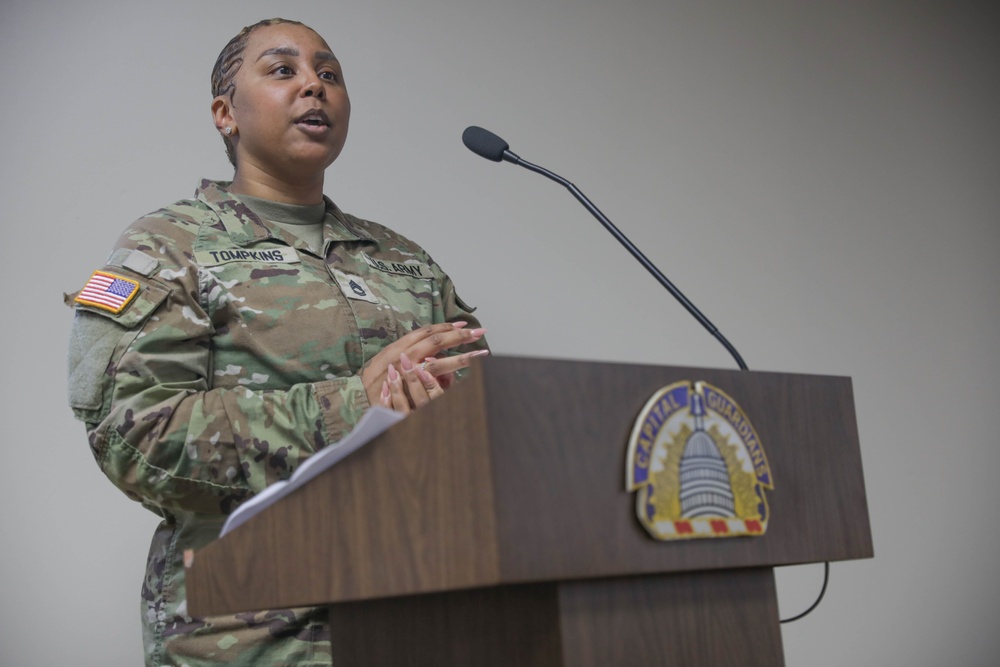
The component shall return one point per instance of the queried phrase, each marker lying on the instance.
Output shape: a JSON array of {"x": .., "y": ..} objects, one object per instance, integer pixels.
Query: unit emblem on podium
[{"x": 698, "y": 466}]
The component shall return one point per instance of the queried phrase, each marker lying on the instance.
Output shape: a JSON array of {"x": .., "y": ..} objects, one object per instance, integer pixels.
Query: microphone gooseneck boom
[{"x": 488, "y": 145}]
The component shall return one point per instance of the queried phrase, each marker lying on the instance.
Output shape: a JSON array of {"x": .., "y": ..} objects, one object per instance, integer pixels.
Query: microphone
[
  {"x": 484, "y": 143},
  {"x": 488, "y": 145}
]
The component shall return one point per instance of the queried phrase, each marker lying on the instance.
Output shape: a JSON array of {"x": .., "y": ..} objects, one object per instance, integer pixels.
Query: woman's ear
[{"x": 223, "y": 116}]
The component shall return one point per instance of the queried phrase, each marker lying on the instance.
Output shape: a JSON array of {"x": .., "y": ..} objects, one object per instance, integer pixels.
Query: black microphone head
[{"x": 484, "y": 143}]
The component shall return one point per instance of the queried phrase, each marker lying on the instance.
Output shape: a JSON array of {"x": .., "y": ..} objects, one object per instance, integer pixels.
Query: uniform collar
[{"x": 245, "y": 228}]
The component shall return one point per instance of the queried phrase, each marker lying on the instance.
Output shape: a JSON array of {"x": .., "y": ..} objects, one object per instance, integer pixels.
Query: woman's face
[{"x": 290, "y": 108}]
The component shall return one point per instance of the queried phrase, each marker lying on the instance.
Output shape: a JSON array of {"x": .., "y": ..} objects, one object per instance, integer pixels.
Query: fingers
[
  {"x": 398, "y": 398},
  {"x": 392, "y": 379},
  {"x": 413, "y": 383},
  {"x": 445, "y": 367},
  {"x": 431, "y": 340},
  {"x": 409, "y": 388},
  {"x": 385, "y": 397},
  {"x": 431, "y": 384}
]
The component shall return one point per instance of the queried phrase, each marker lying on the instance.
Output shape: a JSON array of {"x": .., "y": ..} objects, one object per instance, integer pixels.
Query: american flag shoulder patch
[{"x": 108, "y": 291}]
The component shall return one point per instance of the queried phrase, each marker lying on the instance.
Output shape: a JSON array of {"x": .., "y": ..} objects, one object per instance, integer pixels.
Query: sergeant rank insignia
[{"x": 698, "y": 466}]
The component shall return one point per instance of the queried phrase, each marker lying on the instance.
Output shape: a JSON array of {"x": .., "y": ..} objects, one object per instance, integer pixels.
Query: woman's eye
[
  {"x": 328, "y": 75},
  {"x": 283, "y": 70}
]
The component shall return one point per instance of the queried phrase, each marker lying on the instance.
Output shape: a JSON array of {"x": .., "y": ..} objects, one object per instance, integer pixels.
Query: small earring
[{"x": 229, "y": 131}]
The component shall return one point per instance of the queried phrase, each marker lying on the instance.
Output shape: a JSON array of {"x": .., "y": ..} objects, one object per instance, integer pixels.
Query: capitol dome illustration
[{"x": 705, "y": 490}]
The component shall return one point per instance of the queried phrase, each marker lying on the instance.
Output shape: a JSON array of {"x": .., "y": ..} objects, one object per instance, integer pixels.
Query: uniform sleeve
[
  {"x": 449, "y": 307},
  {"x": 140, "y": 381}
]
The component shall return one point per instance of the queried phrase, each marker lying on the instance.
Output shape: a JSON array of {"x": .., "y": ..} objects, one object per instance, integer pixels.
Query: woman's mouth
[{"x": 314, "y": 121}]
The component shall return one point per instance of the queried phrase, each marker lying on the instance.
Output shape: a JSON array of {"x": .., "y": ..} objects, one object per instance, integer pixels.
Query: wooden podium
[{"x": 493, "y": 528}]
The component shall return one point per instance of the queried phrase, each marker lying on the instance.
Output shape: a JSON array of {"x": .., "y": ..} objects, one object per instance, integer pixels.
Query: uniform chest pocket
[
  {"x": 275, "y": 324},
  {"x": 410, "y": 300}
]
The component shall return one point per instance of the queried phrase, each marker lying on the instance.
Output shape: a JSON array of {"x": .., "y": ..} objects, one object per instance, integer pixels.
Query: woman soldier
[{"x": 230, "y": 336}]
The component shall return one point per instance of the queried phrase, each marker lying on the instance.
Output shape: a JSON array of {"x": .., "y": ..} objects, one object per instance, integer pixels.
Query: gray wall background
[{"x": 820, "y": 177}]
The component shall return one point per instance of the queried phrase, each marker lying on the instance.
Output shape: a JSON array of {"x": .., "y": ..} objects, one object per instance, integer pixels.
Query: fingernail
[
  {"x": 393, "y": 375},
  {"x": 385, "y": 391},
  {"x": 424, "y": 376},
  {"x": 459, "y": 325},
  {"x": 477, "y": 332},
  {"x": 405, "y": 363},
  {"x": 479, "y": 353}
]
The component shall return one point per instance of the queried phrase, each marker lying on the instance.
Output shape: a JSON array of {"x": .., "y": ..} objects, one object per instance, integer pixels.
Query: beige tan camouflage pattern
[{"x": 238, "y": 359}]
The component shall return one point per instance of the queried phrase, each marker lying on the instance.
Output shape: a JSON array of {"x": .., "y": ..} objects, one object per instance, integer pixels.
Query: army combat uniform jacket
[{"x": 209, "y": 357}]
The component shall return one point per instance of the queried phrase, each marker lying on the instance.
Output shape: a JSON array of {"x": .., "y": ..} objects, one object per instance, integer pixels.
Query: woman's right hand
[{"x": 407, "y": 374}]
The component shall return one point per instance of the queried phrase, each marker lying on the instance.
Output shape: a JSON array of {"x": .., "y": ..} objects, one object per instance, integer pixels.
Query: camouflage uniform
[{"x": 236, "y": 359}]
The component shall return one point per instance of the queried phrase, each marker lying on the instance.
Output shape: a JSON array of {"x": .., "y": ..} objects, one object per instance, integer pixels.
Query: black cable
[{"x": 822, "y": 592}]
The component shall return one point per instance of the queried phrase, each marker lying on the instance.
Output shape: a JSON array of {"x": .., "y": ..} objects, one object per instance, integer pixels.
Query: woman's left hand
[{"x": 408, "y": 388}]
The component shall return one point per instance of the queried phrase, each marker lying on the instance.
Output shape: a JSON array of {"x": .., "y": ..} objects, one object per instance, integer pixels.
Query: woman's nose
[{"x": 313, "y": 87}]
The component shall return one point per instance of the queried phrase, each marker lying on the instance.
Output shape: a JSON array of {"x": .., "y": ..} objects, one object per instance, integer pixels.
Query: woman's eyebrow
[
  {"x": 294, "y": 53},
  {"x": 279, "y": 51}
]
